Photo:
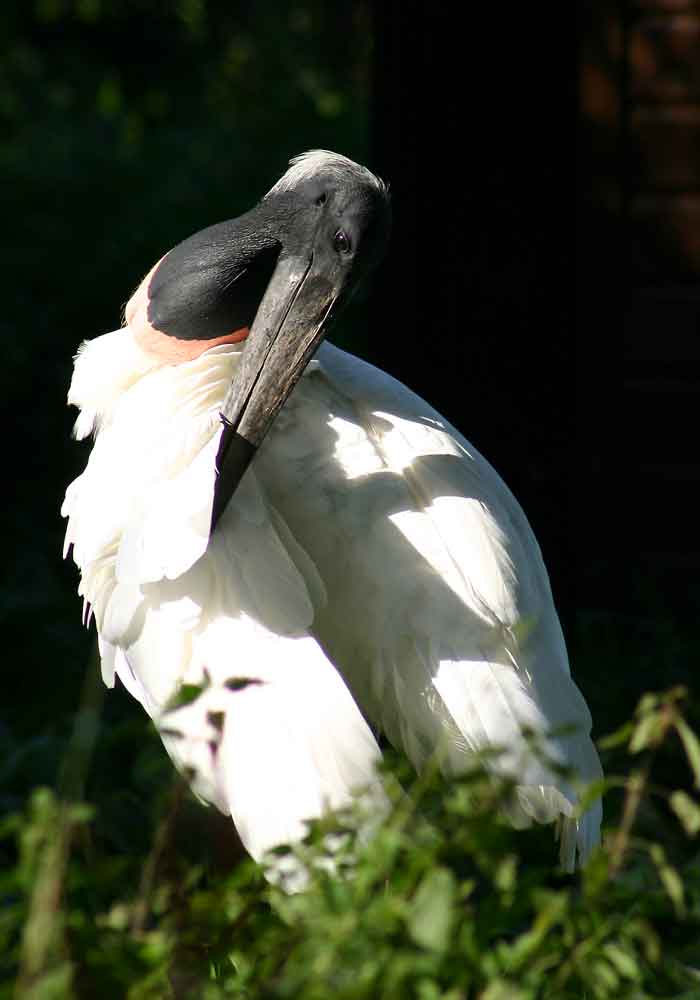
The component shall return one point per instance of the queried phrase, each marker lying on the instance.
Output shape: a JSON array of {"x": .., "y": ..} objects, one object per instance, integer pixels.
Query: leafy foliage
[{"x": 445, "y": 900}]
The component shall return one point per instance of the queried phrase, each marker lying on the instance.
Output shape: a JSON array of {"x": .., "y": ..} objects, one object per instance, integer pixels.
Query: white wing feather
[
  {"x": 366, "y": 523},
  {"x": 274, "y": 737}
]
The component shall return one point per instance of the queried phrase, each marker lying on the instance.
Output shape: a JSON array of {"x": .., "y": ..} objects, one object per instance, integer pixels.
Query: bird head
[{"x": 275, "y": 278}]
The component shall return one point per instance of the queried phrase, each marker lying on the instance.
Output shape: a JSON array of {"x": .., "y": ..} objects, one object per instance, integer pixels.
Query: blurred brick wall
[{"x": 640, "y": 133}]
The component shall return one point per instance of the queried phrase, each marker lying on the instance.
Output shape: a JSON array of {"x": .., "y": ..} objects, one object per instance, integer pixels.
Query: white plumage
[
  {"x": 368, "y": 548},
  {"x": 370, "y": 572}
]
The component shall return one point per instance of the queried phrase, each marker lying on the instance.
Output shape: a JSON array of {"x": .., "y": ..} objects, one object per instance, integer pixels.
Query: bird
[{"x": 290, "y": 556}]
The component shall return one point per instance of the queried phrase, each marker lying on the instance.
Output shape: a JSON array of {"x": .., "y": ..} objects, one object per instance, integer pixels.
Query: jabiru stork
[{"x": 322, "y": 565}]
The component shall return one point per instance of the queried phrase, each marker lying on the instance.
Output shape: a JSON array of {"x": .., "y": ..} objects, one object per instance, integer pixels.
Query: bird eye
[
  {"x": 341, "y": 242},
  {"x": 321, "y": 200}
]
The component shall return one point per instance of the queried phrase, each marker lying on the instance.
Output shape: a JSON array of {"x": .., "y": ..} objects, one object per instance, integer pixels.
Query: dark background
[{"x": 541, "y": 288}]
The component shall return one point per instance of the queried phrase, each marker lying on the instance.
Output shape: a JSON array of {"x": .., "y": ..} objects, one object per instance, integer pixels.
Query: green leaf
[
  {"x": 647, "y": 732},
  {"x": 52, "y": 985},
  {"x": 625, "y": 963},
  {"x": 506, "y": 873},
  {"x": 430, "y": 916},
  {"x": 596, "y": 790},
  {"x": 185, "y": 695},
  {"x": 670, "y": 879},
  {"x": 687, "y": 811},
  {"x": 605, "y": 976},
  {"x": 647, "y": 703},
  {"x": 239, "y": 683},
  {"x": 642, "y": 931},
  {"x": 616, "y": 739},
  {"x": 691, "y": 744},
  {"x": 502, "y": 989},
  {"x": 551, "y": 909}
]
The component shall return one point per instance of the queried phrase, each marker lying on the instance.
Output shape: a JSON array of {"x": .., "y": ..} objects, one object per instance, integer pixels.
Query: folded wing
[{"x": 439, "y": 612}]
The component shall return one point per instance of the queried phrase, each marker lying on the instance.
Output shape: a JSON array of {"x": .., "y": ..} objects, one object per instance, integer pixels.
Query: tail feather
[
  {"x": 532, "y": 755},
  {"x": 471, "y": 705}
]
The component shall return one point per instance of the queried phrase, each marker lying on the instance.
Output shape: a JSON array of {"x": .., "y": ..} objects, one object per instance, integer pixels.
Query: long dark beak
[{"x": 290, "y": 323}]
